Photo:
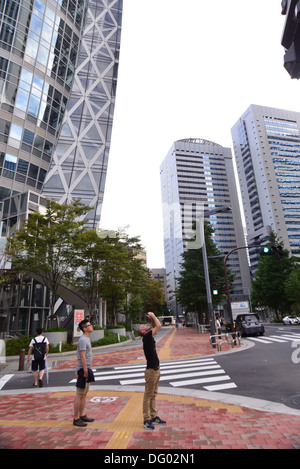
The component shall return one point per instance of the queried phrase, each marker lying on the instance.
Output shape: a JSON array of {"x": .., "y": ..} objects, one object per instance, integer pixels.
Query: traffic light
[
  {"x": 265, "y": 250},
  {"x": 278, "y": 252},
  {"x": 271, "y": 249},
  {"x": 215, "y": 289},
  {"x": 291, "y": 37}
]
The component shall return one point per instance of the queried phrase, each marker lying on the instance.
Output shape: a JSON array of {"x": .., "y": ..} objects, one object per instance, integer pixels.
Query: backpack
[{"x": 39, "y": 349}]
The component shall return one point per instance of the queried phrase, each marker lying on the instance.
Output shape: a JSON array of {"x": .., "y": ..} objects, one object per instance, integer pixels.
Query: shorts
[
  {"x": 38, "y": 364},
  {"x": 81, "y": 390}
]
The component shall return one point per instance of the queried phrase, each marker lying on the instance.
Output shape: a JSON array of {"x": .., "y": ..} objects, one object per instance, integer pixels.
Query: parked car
[
  {"x": 248, "y": 324},
  {"x": 291, "y": 320}
]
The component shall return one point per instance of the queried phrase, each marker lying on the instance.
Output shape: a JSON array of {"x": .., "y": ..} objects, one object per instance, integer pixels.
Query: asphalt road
[{"x": 267, "y": 371}]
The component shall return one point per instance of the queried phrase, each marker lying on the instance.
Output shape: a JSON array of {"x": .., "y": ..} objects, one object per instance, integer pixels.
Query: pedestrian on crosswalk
[{"x": 152, "y": 372}]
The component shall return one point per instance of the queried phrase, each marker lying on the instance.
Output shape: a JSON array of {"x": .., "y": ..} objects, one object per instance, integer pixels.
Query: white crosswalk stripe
[
  {"x": 284, "y": 338},
  {"x": 202, "y": 371}
]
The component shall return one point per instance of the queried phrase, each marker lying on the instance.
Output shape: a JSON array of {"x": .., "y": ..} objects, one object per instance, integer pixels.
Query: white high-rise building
[
  {"x": 267, "y": 148},
  {"x": 198, "y": 175}
]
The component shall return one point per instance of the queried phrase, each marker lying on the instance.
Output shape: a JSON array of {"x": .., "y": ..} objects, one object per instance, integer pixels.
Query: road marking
[
  {"x": 4, "y": 380},
  {"x": 200, "y": 361},
  {"x": 193, "y": 371},
  {"x": 220, "y": 387},
  {"x": 166, "y": 378},
  {"x": 177, "y": 384},
  {"x": 286, "y": 337},
  {"x": 258, "y": 339}
]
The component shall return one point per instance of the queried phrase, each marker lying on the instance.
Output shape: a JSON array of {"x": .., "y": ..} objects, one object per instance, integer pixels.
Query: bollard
[
  {"x": 21, "y": 359},
  {"x": 59, "y": 347}
]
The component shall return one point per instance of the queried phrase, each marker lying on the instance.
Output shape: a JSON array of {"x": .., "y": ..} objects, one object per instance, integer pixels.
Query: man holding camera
[{"x": 152, "y": 372}]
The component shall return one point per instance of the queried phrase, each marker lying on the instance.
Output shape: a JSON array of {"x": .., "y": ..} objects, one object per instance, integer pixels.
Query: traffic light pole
[
  {"x": 206, "y": 214},
  {"x": 208, "y": 291}
]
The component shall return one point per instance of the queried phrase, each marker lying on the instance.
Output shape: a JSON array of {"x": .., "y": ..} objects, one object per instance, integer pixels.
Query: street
[{"x": 267, "y": 369}]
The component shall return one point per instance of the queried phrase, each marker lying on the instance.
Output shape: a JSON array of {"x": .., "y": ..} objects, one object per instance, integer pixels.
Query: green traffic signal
[{"x": 272, "y": 250}]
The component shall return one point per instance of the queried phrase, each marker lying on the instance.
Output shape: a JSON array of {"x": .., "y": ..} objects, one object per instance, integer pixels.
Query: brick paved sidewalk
[{"x": 44, "y": 421}]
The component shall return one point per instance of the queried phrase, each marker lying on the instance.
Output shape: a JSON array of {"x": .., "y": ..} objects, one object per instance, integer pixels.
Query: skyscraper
[
  {"x": 58, "y": 73},
  {"x": 267, "y": 147},
  {"x": 79, "y": 164},
  {"x": 39, "y": 42},
  {"x": 198, "y": 175}
]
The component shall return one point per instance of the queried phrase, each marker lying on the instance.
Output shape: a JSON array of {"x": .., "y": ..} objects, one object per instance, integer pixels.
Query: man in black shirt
[{"x": 152, "y": 372}]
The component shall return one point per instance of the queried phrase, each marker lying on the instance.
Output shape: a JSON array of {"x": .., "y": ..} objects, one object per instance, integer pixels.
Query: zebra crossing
[
  {"x": 282, "y": 338},
  {"x": 203, "y": 372}
]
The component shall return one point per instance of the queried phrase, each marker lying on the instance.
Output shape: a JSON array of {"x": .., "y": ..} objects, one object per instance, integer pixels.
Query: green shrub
[
  {"x": 13, "y": 346},
  {"x": 109, "y": 338},
  {"x": 112, "y": 326}
]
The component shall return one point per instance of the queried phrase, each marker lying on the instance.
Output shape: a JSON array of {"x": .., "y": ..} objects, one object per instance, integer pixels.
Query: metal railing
[
  {"x": 202, "y": 328},
  {"x": 230, "y": 338}
]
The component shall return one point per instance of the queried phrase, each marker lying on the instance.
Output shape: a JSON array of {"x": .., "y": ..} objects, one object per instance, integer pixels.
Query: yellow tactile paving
[
  {"x": 128, "y": 421},
  {"x": 165, "y": 352}
]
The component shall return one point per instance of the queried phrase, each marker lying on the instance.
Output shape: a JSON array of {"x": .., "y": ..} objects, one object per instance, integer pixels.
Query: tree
[
  {"x": 133, "y": 309},
  {"x": 43, "y": 247},
  {"x": 292, "y": 287},
  {"x": 153, "y": 296},
  {"x": 191, "y": 291},
  {"x": 268, "y": 286},
  {"x": 90, "y": 251},
  {"x": 117, "y": 272}
]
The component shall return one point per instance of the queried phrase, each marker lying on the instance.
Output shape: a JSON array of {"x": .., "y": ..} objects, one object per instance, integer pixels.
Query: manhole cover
[{"x": 293, "y": 401}]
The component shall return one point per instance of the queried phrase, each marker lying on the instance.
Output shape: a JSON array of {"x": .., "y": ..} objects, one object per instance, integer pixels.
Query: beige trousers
[{"x": 151, "y": 386}]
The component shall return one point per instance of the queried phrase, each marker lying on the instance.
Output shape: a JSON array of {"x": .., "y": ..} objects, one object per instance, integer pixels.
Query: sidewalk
[{"x": 42, "y": 419}]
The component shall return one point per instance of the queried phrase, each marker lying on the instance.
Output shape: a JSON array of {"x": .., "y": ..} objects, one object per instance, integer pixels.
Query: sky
[{"x": 188, "y": 69}]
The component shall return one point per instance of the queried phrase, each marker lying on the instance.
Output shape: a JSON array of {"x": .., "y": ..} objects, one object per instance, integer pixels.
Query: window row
[
  {"x": 24, "y": 139},
  {"x": 29, "y": 93},
  {"x": 49, "y": 41},
  {"x": 13, "y": 164}
]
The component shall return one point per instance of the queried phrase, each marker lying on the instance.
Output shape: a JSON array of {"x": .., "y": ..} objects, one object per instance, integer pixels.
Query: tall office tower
[
  {"x": 79, "y": 164},
  {"x": 267, "y": 148},
  {"x": 41, "y": 48},
  {"x": 198, "y": 175},
  {"x": 39, "y": 42}
]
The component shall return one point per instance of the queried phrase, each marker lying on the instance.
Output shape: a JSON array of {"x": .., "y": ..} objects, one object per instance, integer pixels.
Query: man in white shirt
[{"x": 40, "y": 348}]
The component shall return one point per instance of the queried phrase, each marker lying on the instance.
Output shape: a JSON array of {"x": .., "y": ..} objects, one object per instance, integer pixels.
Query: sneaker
[
  {"x": 149, "y": 425},
  {"x": 158, "y": 420},
  {"x": 85, "y": 418},
  {"x": 79, "y": 423}
]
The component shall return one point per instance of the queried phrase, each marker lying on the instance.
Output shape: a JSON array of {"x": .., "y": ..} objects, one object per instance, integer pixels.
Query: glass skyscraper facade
[
  {"x": 58, "y": 73},
  {"x": 267, "y": 148},
  {"x": 198, "y": 175},
  {"x": 39, "y": 42}
]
